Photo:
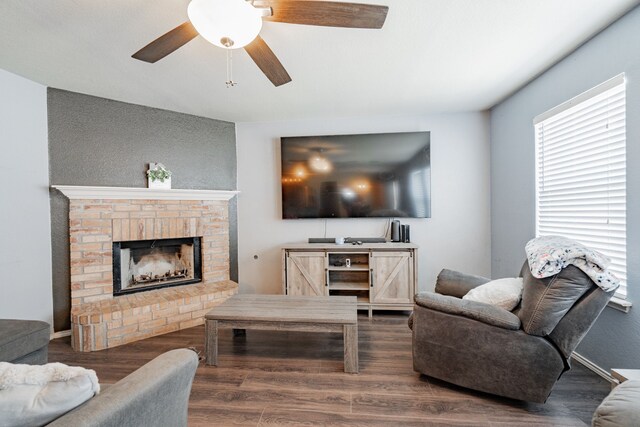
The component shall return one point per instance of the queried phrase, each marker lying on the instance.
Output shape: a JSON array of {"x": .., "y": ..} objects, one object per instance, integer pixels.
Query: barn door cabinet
[{"x": 383, "y": 276}]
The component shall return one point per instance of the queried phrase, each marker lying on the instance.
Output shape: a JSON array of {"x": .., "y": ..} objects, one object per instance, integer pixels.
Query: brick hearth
[
  {"x": 99, "y": 320},
  {"x": 123, "y": 319}
]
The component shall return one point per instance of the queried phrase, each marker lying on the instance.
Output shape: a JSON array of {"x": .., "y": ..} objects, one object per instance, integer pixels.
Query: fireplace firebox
[{"x": 144, "y": 265}]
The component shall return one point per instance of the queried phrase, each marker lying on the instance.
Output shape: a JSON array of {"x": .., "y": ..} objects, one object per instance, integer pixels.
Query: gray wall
[
  {"x": 25, "y": 252},
  {"x": 97, "y": 141},
  {"x": 614, "y": 341}
]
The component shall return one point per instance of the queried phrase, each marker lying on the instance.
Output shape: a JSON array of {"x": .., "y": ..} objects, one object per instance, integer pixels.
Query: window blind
[{"x": 581, "y": 173}]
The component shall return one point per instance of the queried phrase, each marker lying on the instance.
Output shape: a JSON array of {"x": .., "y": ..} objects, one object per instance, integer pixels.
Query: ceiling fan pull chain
[{"x": 230, "y": 83}]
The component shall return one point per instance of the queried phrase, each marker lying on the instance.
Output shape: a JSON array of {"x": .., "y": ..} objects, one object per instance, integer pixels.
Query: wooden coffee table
[{"x": 286, "y": 313}]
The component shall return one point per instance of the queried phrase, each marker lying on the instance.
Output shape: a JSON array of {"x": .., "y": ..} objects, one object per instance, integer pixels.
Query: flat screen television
[{"x": 355, "y": 176}]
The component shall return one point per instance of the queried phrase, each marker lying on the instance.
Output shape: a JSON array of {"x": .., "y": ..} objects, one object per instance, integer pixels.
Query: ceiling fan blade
[
  {"x": 167, "y": 43},
  {"x": 328, "y": 14},
  {"x": 267, "y": 61}
]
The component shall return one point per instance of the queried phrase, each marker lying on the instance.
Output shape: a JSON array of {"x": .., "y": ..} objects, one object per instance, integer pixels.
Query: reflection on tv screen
[{"x": 355, "y": 176}]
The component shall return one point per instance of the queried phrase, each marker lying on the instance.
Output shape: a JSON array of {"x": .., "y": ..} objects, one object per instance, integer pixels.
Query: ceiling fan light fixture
[{"x": 230, "y": 24}]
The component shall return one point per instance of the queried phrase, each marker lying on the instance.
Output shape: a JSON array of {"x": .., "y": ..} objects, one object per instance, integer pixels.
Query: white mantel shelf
[{"x": 76, "y": 192}]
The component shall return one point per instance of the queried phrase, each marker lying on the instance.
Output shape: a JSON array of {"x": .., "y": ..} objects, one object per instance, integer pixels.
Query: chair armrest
[
  {"x": 485, "y": 313},
  {"x": 156, "y": 394},
  {"x": 457, "y": 284},
  {"x": 483, "y": 357}
]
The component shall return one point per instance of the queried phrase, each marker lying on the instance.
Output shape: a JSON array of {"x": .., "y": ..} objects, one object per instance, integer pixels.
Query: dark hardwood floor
[{"x": 292, "y": 378}]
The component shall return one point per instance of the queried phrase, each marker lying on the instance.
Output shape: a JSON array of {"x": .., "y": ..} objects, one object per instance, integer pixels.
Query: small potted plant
[{"x": 158, "y": 176}]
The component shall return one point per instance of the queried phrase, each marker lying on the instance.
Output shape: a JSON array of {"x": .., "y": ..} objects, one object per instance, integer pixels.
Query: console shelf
[
  {"x": 381, "y": 275},
  {"x": 348, "y": 286}
]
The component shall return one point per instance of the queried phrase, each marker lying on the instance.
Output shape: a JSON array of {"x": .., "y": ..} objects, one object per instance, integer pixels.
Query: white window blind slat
[
  {"x": 583, "y": 129},
  {"x": 581, "y": 173},
  {"x": 558, "y": 170},
  {"x": 608, "y": 144},
  {"x": 578, "y": 116},
  {"x": 588, "y": 142},
  {"x": 590, "y": 218},
  {"x": 615, "y": 230},
  {"x": 593, "y": 143},
  {"x": 571, "y": 184},
  {"x": 587, "y": 118},
  {"x": 556, "y": 112},
  {"x": 595, "y": 192}
]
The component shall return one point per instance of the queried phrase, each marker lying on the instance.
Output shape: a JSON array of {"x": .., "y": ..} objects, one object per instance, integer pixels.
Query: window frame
[{"x": 585, "y": 98}]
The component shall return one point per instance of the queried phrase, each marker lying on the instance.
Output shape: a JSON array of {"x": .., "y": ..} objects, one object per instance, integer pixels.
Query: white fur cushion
[
  {"x": 34, "y": 395},
  {"x": 505, "y": 293}
]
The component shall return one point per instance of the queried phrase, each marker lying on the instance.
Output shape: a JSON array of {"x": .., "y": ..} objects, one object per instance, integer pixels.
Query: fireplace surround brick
[
  {"x": 99, "y": 320},
  {"x": 127, "y": 318}
]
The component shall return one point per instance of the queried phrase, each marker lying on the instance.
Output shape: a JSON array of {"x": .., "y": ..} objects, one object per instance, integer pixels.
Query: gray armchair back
[
  {"x": 562, "y": 307},
  {"x": 520, "y": 354}
]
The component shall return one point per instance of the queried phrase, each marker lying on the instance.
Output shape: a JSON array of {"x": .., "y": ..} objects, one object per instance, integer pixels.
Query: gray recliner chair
[{"x": 519, "y": 354}]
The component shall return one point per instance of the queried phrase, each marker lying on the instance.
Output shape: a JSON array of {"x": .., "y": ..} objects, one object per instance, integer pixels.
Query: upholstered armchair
[
  {"x": 519, "y": 354},
  {"x": 156, "y": 394}
]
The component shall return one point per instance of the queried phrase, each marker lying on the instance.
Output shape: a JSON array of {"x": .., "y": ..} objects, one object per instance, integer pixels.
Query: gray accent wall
[
  {"x": 97, "y": 141},
  {"x": 614, "y": 341}
]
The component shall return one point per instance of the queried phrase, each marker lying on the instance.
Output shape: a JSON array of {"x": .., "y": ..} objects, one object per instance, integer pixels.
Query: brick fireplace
[{"x": 102, "y": 216}]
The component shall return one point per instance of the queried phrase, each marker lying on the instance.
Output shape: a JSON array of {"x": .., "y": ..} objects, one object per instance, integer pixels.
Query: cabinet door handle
[{"x": 371, "y": 276}]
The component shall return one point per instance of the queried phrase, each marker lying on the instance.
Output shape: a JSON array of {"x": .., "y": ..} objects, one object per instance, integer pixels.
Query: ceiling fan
[{"x": 233, "y": 24}]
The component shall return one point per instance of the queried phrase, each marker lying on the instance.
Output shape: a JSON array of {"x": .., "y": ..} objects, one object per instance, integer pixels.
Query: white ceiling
[{"x": 431, "y": 56}]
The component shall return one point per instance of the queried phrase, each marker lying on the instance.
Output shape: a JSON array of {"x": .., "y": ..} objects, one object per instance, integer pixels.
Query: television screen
[{"x": 355, "y": 176}]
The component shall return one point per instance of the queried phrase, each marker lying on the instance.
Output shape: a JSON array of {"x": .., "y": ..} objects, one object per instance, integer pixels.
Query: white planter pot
[{"x": 157, "y": 184}]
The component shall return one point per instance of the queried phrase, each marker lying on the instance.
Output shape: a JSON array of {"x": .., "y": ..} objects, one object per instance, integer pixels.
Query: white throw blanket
[
  {"x": 35, "y": 395},
  {"x": 548, "y": 255},
  {"x": 12, "y": 375}
]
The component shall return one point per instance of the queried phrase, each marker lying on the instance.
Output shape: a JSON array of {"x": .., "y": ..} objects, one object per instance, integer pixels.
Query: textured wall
[
  {"x": 25, "y": 251},
  {"x": 614, "y": 340},
  {"x": 457, "y": 235},
  {"x": 96, "y": 141}
]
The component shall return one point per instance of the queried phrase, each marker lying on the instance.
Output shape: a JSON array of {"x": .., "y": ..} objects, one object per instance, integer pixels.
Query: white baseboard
[
  {"x": 593, "y": 367},
  {"x": 61, "y": 334}
]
